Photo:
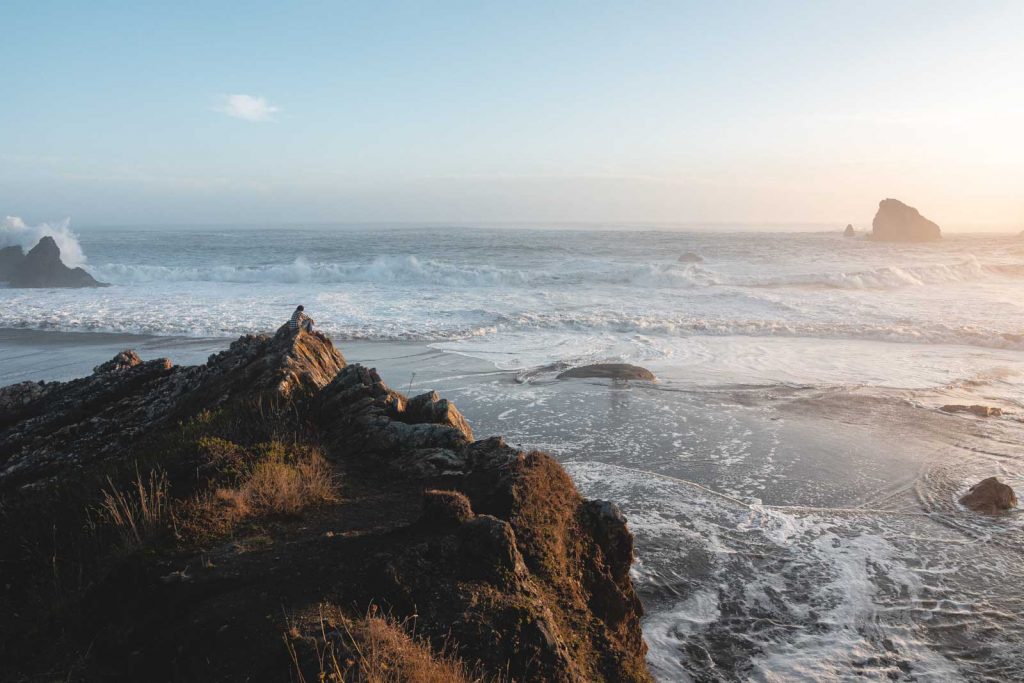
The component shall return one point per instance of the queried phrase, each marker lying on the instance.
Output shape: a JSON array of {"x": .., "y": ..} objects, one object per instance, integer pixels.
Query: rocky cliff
[
  {"x": 226, "y": 521},
  {"x": 897, "y": 222},
  {"x": 41, "y": 267}
]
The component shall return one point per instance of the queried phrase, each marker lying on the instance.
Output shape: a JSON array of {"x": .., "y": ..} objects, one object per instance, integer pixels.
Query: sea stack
[
  {"x": 849, "y": 232},
  {"x": 897, "y": 222},
  {"x": 41, "y": 267}
]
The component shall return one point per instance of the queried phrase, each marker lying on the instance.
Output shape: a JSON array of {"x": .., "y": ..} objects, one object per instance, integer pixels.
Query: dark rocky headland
[
  {"x": 41, "y": 267},
  {"x": 277, "y": 514}
]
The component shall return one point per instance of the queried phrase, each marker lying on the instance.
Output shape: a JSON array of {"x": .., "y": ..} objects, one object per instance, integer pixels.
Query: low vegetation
[
  {"x": 270, "y": 479},
  {"x": 376, "y": 648},
  {"x": 141, "y": 511}
]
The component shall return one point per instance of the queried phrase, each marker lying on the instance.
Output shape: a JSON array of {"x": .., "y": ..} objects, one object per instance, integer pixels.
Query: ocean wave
[
  {"x": 891, "y": 277},
  {"x": 410, "y": 269},
  {"x": 413, "y": 270},
  {"x": 383, "y": 269}
]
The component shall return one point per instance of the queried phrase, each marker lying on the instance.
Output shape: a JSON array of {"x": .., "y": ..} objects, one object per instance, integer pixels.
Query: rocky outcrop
[
  {"x": 609, "y": 371},
  {"x": 48, "y": 428},
  {"x": 990, "y": 496},
  {"x": 491, "y": 550},
  {"x": 979, "y": 410},
  {"x": 41, "y": 267},
  {"x": 897, "y": 222},
  {"x": 849, "y": 232},
  {"x": 691, "y": 257}
]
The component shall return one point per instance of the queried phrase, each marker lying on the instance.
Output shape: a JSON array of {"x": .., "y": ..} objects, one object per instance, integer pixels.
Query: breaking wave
[
  {"x": 14, "y": 232},
  {"x": 892, "y": 277},
  {"x": 413, "y": 270}
]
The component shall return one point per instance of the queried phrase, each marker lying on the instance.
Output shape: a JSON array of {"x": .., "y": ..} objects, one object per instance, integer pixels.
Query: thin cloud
[{"x": 247, "y": 108}]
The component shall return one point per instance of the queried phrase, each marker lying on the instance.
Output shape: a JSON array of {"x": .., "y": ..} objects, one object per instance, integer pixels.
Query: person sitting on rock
[{"x": 300, "y": 320}]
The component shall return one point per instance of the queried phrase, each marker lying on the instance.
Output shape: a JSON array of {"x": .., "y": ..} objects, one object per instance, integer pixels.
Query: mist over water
[{"x": 791, "y": 482}]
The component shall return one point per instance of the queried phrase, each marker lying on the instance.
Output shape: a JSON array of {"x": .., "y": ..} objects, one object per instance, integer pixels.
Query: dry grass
[
  {"x": 287, "y": 488},
  {"x": 272, "y": 479},
  {"x": 141, "y": 512},
  {"x": 374, "y": 649}
]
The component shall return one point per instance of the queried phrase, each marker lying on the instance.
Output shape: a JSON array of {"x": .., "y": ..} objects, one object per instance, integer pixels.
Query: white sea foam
[
  {"x": 15, "y": 232},
  {"x": 774, "y": 595}
]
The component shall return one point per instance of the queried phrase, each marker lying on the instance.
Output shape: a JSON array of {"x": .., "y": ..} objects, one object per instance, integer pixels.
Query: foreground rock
[
  {"x": 990, "y": 496},
  {"x": 609, "y": 371},
  {"x": 980, "y": 411},
  {"x": 849, "y": 232},
  {"x": 41, "y": 267},
  {"x": 691, "y": 257},
  {"x": 897, "y": 222},
  {"x": 490, "y": 550}
]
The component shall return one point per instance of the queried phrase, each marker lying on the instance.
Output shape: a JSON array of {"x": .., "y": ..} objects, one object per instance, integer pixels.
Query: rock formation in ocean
[
  {"x": 225, "y": 521},
  {"x": 41, "y": 267},
  {"x": 849, "y": 232},
  {"x": 609, "y": 371},
  {"x": 897, "y": 222},
  {"x": 691, "y": 257},
  {"x": 990, "y": 496}
]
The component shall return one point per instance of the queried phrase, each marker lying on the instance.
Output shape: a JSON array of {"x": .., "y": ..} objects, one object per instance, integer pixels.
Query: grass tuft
[{"x": 141, "y": 512}]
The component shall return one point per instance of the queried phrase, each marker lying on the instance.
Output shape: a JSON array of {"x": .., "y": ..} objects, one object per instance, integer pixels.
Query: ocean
[{"x": 790, "y": 478}]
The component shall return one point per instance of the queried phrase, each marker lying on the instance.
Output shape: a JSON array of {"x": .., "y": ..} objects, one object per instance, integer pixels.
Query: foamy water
[{"x": 791, "y": 482}]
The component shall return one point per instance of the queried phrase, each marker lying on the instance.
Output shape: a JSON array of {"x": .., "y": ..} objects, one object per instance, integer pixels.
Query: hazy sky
[{"x": 181, "y": 112}]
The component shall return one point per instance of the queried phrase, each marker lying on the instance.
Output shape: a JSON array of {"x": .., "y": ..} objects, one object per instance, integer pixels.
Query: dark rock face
[
  {"x": 41, "y": 267},
  {"x": 849, "y": 232},
  {"x": 990, "y": 496},
  {"x": 499, "y": 554},
  {"x": 691, "y": 257},
  {"x": 980, "y": 411},
  {"x": 10, "y": 259},
  {"x": 897, "y": 222},
  {"x": 609, "y": 371}
]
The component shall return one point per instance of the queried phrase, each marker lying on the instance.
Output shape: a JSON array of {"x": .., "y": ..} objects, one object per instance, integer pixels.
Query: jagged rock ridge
[{"x": 491, "y": 548}]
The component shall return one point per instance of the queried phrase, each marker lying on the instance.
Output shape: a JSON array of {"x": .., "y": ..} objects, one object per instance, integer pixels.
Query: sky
[{"x": 524, "y": 112}]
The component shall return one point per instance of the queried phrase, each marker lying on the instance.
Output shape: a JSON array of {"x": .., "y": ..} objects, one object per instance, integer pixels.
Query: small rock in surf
[
  {"x": 990, "y": 496},
  {"x": 609, "y": 371},
  {"x": 980, "y": 411}
]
